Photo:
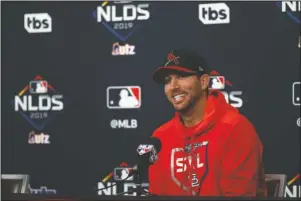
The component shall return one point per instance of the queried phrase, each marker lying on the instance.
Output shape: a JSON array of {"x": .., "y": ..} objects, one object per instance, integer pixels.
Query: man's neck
[{"x": 195, "y": 115}]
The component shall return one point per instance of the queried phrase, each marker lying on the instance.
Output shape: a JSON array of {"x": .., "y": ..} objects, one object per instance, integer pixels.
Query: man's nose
[{"x": 174, "y": 83}]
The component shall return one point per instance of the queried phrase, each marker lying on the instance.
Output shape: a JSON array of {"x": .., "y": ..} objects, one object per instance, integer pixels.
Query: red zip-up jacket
[{"x": 220, "y": 156}]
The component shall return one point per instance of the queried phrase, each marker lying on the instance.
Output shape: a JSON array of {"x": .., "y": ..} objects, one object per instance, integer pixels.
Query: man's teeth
[{"x": 178, "y": 97}]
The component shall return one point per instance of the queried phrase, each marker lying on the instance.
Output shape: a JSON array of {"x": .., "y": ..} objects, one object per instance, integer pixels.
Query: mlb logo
[
  {"x": 38, "y": 86},
  {"x": 143, "y": 149},
  {"x": 217, "y": 82},
  {"x": 122, "y": 173},
  {"x": 123, "y": 97}
]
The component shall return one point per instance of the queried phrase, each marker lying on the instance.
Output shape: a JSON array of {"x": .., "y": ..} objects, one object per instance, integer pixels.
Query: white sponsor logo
[
  {"x": 296, "y": 93},
  {"x": 122, "y": 173},
  {"x": 293, "y": 191},
  {"x": 123, "y": 97},
  {"x": 114, "y": 190},
  {"x": 37, "y": 102},
  {"x": 38, "y": 23},
  {"x": 217, "y": 82},
  {"x": 107, "y": 186},
  {"x": 293, "y": 188},
  {"x": 45, "y": 103},
  {"x": 214, "y": 13},
  {"x": 294, "y": 6},
  {"x": 125, "y": 123},
  {"x": 35, "y": 138},
  {"x": 123, "y": 50},
  {"x": 129, "y": 13},
  {"x": 43, "y": 190},
  {"x": 234, "y": 98}
]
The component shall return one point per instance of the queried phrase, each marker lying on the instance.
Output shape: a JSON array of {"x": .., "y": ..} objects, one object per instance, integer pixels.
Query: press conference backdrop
[{"x": 69, "y": 70}]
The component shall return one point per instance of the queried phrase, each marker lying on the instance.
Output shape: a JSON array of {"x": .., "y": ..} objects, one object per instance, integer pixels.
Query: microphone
[{"x": 146, "y": 155}]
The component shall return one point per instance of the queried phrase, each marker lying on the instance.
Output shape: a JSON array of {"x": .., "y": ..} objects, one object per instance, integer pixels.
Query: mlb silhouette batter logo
[
  {"x": 38, "y": 87},
  {"x": 122, "y": 173},
  {"x": 123, "y": 97},
  {"x": 217, "y": 82}
]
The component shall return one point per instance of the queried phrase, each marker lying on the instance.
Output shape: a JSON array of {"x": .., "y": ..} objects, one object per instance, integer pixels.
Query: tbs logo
[
  {"x": 123, "y": 97},
  {"x": 38, "y": 23},
  {"x": 214, "y": 13},
  {"x": 123, "y": 49}
]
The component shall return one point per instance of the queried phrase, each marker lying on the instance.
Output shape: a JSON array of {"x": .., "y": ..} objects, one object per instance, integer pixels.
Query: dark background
[{"x": 257, "y": 52}]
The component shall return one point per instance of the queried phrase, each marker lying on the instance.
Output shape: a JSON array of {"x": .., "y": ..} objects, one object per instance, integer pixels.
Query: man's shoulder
[
  {"x": 164, "y": 129},
  {"x": 235, "y": 118},
  {"x": 241, "y": 126}
]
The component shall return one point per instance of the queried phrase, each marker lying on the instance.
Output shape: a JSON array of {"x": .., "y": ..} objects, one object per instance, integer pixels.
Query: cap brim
[{"x": 160, "y": 74}]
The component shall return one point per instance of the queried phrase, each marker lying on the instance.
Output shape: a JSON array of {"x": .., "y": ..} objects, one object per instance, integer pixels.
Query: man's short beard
[
  {"x": 191, "y": 104},
  {"x": 185, "y": 109}
]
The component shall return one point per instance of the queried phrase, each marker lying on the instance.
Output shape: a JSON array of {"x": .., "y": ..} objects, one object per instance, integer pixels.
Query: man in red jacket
[{"x": 208, "y": 147}]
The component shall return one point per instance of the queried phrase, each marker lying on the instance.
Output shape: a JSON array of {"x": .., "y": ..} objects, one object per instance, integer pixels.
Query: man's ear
[{"x": 205, "y": 79}]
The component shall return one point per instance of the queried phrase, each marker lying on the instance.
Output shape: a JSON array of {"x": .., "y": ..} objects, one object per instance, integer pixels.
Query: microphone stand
[
  {"x": 138, "y": 183},
  {"x": 145, "y": 162}
]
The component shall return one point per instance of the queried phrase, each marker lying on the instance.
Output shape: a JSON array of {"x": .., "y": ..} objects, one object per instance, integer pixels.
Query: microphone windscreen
[
  {"x": 157, "y": 143},
  {"x": 145, "y": 153}
]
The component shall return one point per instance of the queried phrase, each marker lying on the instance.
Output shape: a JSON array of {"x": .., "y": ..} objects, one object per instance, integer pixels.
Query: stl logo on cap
[{"x": 172, "y": 58}]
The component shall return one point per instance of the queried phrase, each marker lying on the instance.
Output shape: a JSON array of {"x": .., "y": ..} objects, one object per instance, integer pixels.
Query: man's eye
[
  {"x": 181, "y": 77},
  {"x": 166, "y": 80}
]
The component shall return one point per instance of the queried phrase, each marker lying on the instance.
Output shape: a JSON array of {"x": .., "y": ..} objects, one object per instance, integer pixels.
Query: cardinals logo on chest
[{"x": 189, "y": 162}]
